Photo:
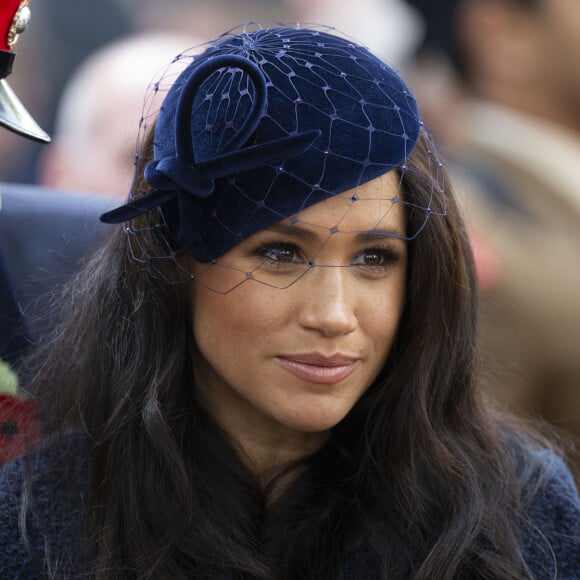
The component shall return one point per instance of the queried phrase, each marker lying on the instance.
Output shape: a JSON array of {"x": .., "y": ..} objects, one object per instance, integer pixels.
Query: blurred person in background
[
  {"x": 94, "y": 141},
  {"x": 18, "y": 427},
  {"x": 514, "y": 138},
  {"x": 43, "y": 234},
  {"x": 14, "y": 19}
]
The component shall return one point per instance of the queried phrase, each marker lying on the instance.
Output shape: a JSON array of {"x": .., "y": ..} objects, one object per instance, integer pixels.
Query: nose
[{"x": 327, "y": 303}]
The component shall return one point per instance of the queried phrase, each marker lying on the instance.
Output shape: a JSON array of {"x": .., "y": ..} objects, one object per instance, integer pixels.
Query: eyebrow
[
  {"x": 378, "y": 234},
  {"x": 309, "y": 235},
  {"x": 293, "y": 230}
]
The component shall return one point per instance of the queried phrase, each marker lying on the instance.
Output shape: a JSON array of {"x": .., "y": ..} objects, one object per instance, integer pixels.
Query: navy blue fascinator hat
[{"x": 267, "y": 122}]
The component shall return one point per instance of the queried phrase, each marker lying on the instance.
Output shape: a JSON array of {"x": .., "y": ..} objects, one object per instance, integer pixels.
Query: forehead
[{"x": 364, "y": 207}]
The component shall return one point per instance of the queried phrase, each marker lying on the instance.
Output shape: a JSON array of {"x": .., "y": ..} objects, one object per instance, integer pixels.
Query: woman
[{"x": 268, "y": 372}]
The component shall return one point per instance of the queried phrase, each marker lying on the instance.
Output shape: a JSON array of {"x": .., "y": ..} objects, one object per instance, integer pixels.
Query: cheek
[
  {"x": 387, "y": 331},
  {"x": 386, "y": 318},
  {"x": 216, "y": 324},
  {"x": 380, "y": 315},
  {"x": 238, "y": 319}
]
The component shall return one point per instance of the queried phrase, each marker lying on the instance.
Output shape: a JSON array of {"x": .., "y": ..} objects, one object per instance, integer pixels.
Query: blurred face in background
[
  {"x": 97, "y": 127},
  {"x": 523, "y": 54},
  {"x": 558, "y": 33}
]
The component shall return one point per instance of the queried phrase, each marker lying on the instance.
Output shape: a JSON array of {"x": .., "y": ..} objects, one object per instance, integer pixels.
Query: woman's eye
[
  {"x": 281, "y": 253},
  {"x": 375, "y": 258}
]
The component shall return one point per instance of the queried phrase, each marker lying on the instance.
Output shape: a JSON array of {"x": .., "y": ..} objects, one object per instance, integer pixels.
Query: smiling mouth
[{"x": 317, "y": 369}]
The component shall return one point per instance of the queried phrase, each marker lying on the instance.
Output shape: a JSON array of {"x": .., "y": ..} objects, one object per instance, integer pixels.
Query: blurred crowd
[{"x": 500, "y": 86}]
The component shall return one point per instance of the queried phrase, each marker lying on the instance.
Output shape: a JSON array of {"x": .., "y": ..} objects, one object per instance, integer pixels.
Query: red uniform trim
[
  {"x": 19, "y": 428},
  {"x": 8, "y": 9}
]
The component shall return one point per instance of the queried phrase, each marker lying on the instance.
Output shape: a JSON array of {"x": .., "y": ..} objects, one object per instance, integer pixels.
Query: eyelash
[{"x": 270, "y": 252}]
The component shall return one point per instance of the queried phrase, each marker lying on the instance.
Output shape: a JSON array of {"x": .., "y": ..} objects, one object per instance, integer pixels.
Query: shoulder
[
  {"x": 551, "y": 526},
  {"x": 41, "y": 504}
]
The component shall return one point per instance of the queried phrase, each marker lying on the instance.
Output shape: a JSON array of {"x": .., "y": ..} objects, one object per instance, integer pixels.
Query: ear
[{"x": 501, "y": 40}]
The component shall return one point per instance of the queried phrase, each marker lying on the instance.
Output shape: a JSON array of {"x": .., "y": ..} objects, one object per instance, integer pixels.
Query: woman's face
[{"x": 284, "y": 353}]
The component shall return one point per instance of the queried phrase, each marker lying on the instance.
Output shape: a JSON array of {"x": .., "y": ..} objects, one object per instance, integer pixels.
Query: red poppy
[{"x": 18, "y": 426}]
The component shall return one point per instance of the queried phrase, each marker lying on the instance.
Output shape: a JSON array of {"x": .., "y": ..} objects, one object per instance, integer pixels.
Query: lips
[{"x": 317, "y": 368}]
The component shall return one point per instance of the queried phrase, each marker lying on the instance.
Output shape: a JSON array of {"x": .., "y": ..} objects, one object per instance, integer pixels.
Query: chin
[{"x": 315, "y": 423}]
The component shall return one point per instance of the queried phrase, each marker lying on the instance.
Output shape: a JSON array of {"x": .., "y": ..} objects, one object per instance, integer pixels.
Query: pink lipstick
[{"x": 317, "y": 368}]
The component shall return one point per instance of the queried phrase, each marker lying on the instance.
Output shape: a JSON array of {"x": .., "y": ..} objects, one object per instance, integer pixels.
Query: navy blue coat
[{"x": 551, "y": 536}]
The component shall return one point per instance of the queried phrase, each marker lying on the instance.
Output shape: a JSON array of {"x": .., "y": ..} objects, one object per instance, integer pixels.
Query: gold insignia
[{"x": 19, "y": 23}]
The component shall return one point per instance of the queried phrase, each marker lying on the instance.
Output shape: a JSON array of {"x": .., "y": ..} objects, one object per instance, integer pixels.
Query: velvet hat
[{"x": 264, "y": 123}]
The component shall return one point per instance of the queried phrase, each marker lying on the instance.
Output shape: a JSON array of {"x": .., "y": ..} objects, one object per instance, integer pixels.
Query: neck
[
  {"x": 265, "y": 445},
  {"x": 267, "y": 454}
]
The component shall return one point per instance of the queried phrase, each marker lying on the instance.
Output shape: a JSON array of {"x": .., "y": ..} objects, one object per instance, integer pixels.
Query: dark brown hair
[{"x": 416, "y": 481}]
